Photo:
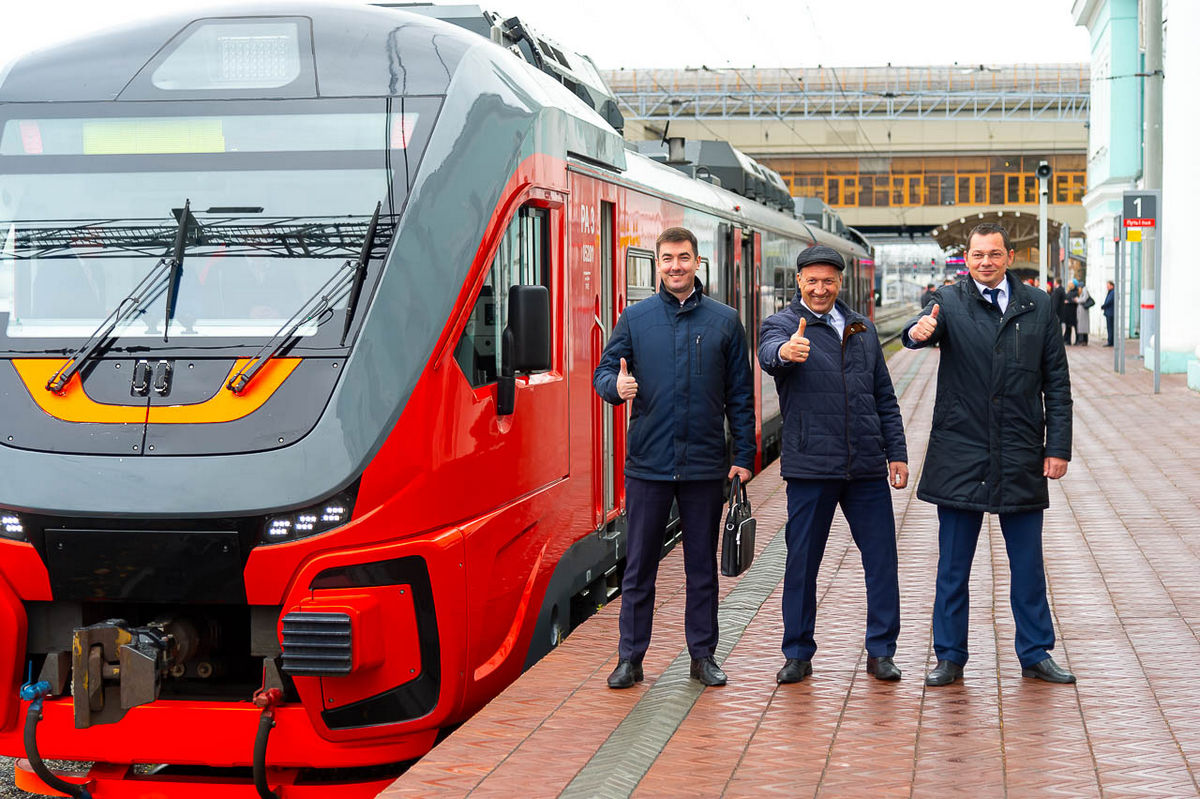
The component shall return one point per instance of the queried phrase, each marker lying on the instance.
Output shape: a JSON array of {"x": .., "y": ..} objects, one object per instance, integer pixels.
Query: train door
[
  {"x": 515, "y": 459},
  {"x": 731, "y": 269},
  {"x": 747, "y": 304},
  {"x": 866, "y": 274},
  {"x": 606, "y": 319},
  {"x": 748, "y": 307}
]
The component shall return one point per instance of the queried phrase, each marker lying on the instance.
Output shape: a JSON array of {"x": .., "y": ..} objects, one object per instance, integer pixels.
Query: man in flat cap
[{"x": 843, "y": 444}]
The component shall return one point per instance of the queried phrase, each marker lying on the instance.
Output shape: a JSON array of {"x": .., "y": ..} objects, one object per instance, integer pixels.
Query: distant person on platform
[
  {"x": 843, "y": 444},
  {"x": 681, "y": 358},
  {"x": 1058, "y": 302},
  {"x": 1001, "y": 428},
  {"x": 927, "y": 295},
  {"x": 1108, "y": 307},
  {"x": 1082, "y": 312},
  {"x": 947, "y": 282},
  {"x": 1070, "y": 314}
]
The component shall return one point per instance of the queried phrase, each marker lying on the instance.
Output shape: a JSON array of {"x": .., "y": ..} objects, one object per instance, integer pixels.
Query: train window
[
  {"x": 521, "y": 259},
  {"x": 781, "y": 288},
  {"x": 283, "y": 192},
  {"x": 639, "y": 276},
  {"x": 702, "y": 272}
]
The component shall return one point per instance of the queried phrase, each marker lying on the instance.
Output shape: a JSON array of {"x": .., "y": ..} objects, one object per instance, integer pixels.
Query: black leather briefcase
[{"x": 737, "y": 540}]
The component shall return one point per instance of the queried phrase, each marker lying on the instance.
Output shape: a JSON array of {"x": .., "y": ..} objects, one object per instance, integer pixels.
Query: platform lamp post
[{"x": 1043, "y": 176}]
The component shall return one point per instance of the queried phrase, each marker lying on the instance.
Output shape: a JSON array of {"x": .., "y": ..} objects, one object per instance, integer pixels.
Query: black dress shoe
[
  {"x": 625, "y": 674},
  {"x": 707, "y": 671},
  {"x": 883, "y": 668},
  {"x": 1049, "y": 671},
  {"x": 794, "y": 670},
  {"x": 944, "y": 673}
]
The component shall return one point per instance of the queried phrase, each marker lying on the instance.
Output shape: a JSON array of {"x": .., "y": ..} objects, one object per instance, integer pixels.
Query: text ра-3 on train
[{"x": 298, "y": 314}]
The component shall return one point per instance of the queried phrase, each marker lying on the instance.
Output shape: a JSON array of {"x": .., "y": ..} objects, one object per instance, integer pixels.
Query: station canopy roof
[{"x": 1022, "y": 228}]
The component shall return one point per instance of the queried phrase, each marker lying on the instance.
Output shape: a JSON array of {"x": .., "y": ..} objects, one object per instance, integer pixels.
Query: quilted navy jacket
[
  {"x": 840, "y": 415},
  {"x": 693, "y": 371}
]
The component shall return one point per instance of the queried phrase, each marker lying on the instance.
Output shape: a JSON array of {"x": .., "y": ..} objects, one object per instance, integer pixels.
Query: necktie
[
  {"x": 994, "y": 296},
  {"x": 827, "y": 319}
]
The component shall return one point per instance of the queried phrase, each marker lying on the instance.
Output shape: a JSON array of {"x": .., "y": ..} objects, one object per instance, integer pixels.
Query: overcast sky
[{"x": 713, "y": 33}]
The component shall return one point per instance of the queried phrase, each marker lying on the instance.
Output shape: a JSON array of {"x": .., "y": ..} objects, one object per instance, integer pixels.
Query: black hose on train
[
  {"x": 35, "y": 693},
  {"x": 265, "y": 699}
]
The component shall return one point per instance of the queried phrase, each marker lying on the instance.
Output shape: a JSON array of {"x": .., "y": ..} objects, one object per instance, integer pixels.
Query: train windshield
[{"x": 280, "y": 195}]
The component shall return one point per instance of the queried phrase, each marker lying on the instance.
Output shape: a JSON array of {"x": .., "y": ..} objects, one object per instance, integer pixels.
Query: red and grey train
[{"x": 300, "y": 461}]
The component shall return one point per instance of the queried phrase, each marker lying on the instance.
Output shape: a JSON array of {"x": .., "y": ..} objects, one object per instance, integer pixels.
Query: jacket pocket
[
  {"x": 633, "y": 436},
  {"x": 1027, "y": 351}
]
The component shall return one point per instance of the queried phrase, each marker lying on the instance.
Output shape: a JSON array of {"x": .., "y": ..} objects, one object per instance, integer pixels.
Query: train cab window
[
  {"x": 521, "y": 259},
  {"x": 639, "y": 276}
]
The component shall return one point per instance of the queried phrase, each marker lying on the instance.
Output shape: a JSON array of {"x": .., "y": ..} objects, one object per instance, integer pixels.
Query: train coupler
[{"x": 115, "y": 666}]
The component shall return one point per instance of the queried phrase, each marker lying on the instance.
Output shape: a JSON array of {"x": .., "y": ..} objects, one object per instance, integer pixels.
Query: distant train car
[{"x": 298, "y": 316}]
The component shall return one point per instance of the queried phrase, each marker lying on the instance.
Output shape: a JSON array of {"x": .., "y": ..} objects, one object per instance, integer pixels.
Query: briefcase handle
[{"x": 737, "y": 493}]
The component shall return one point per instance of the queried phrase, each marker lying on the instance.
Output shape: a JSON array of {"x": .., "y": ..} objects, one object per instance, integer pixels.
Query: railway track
[{"x": 889, "y": 321}]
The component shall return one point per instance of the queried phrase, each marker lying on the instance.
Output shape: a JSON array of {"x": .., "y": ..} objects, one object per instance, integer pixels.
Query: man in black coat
[
  {"x": 843, "y": 444},
  {"x": 1001, "y": 427},
  {"x": 1107, "y": 307},
  {"x": 682, "y": 359},
  {"x": 1058, "y": 303}
]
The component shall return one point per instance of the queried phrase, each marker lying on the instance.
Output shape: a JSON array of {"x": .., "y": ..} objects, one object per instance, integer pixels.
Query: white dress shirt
[
  {"x": 835, "y": 318},
  {"x": 1001, "y": 298}
]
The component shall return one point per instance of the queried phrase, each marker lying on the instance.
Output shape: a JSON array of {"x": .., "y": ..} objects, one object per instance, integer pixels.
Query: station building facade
[{"x": 1114, "y": 165}]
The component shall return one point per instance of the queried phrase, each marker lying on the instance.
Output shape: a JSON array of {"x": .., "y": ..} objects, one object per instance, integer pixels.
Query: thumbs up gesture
[
  {"x": 796, "y": 348},
  {"x": 626, "y": 383},
  {"x": 925, "y": 326}
]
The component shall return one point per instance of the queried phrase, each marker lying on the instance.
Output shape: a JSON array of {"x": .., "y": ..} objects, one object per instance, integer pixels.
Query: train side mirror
[{"x": 525, "y": 343}]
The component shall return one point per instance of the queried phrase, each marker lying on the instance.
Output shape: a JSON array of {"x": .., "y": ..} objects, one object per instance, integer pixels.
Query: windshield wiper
[
  {"x": 348, "y": 279},
  {"x": 176, "y": 264},
  {"x": 236, "y": 233},
  {"x": 144, "y": 293},
  {"x": 360, "y": 272}
]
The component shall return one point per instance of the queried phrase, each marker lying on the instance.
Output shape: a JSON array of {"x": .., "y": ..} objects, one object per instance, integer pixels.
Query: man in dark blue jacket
[
  {"x": 843, "y": 444},
  {"x": 681, "y": 358}
]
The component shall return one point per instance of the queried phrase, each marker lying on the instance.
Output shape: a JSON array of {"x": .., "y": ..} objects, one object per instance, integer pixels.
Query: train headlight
[
  {"x": 11, "y": 526},
  {"x": 320, "y": 518},
  {"x": 234, "y": 54}
]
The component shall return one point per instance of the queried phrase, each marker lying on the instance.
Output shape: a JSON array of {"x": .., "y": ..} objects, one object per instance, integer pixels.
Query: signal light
[
  {"x": 31, "y": 137},
  {"x": 12, "y": 527},
  {"x": 402, "y": 130},
  {"x": 313, "y": 520}
]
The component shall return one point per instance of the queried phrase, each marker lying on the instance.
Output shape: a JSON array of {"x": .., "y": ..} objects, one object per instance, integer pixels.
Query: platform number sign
[{"x": 1140, "y": 209}]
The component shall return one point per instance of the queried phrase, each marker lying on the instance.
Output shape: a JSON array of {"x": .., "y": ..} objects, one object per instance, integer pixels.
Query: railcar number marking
[{"x": 587, "y": 219}]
